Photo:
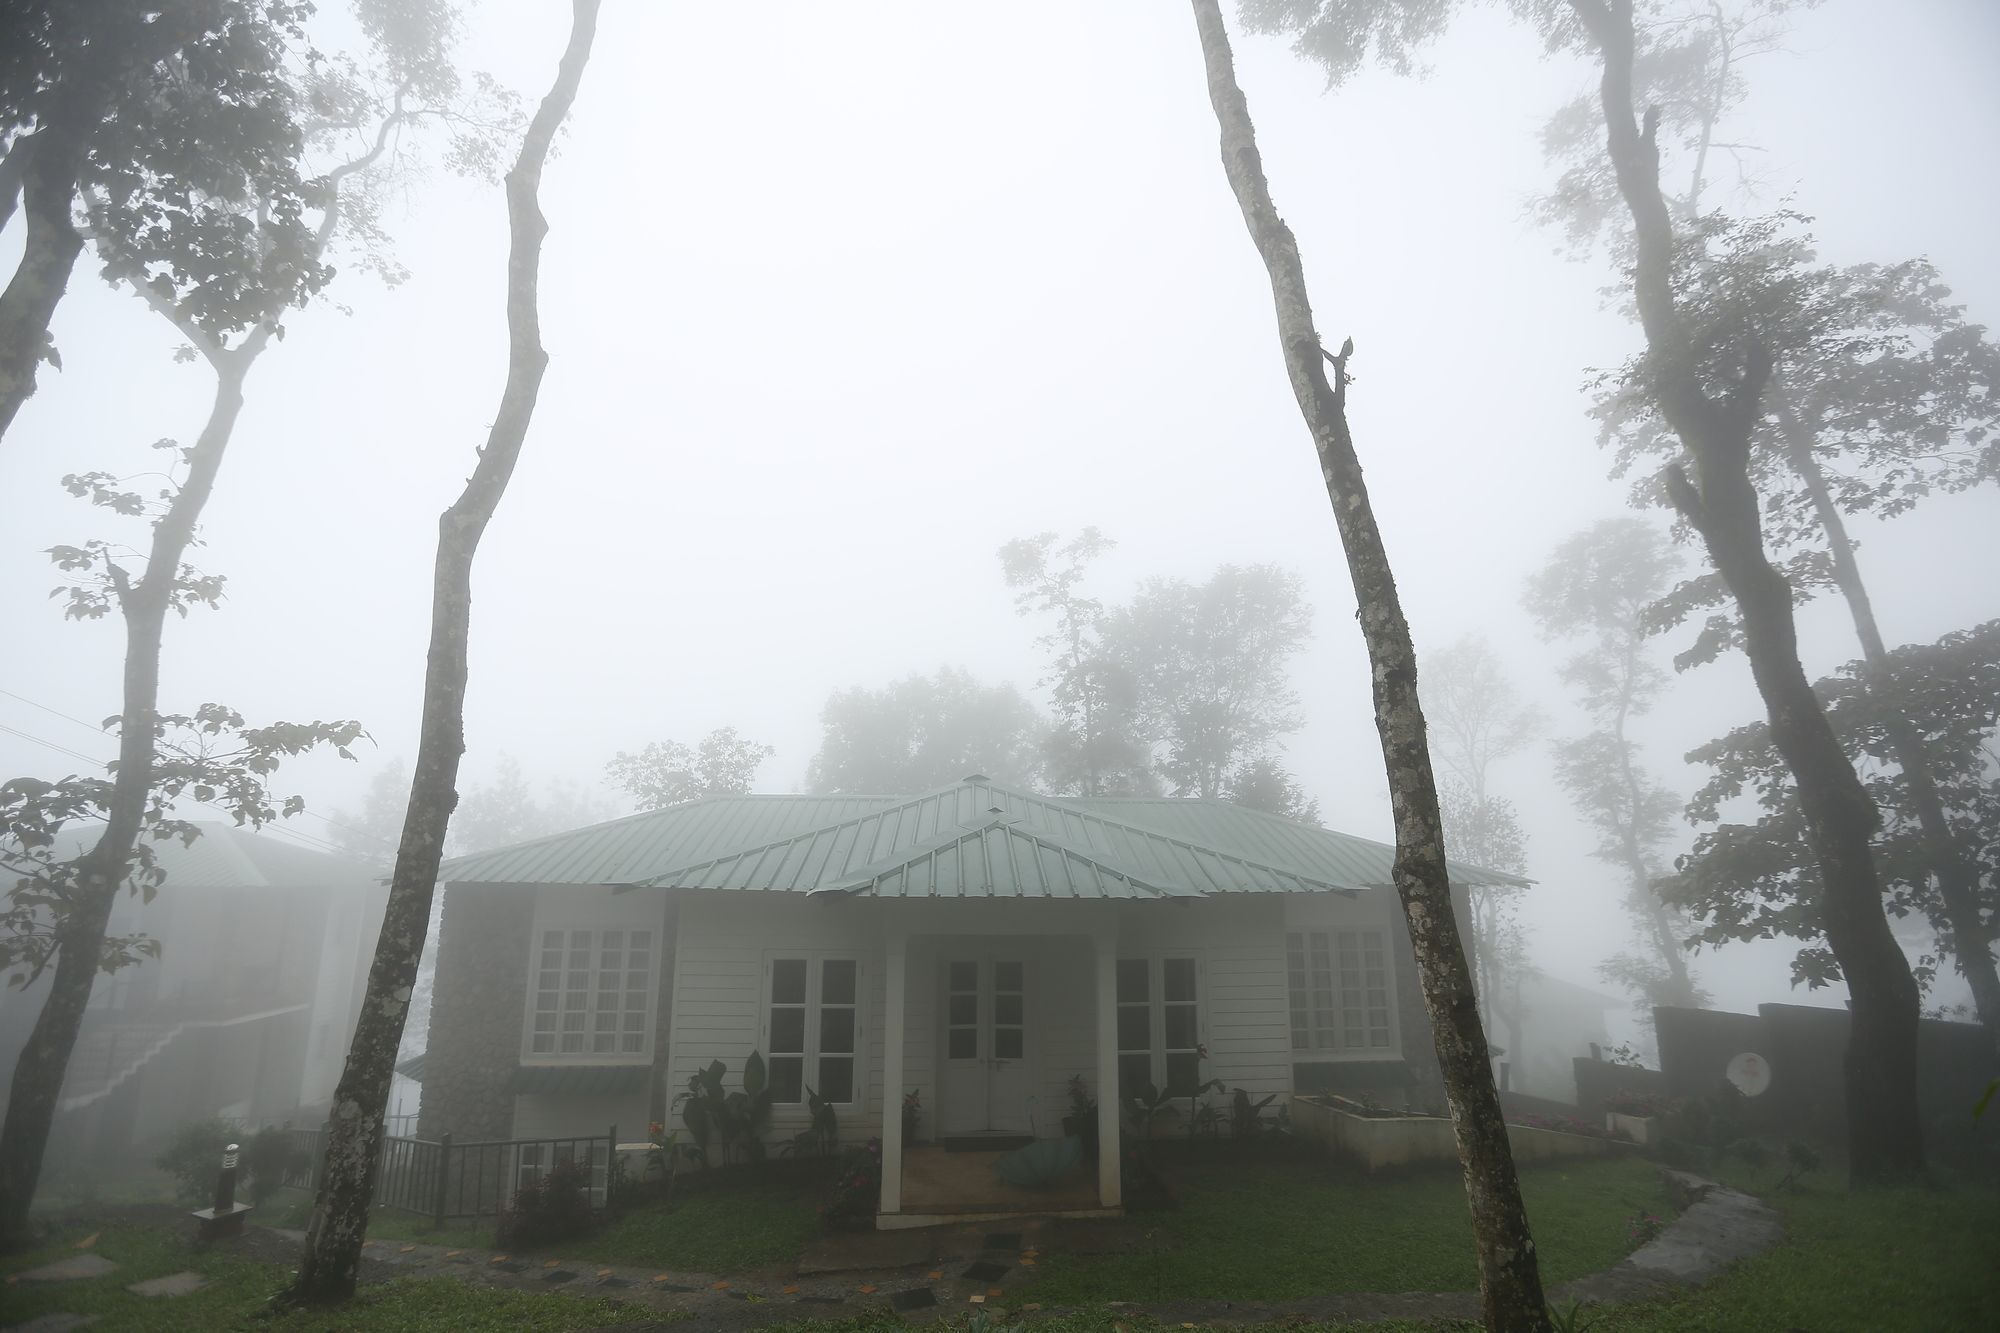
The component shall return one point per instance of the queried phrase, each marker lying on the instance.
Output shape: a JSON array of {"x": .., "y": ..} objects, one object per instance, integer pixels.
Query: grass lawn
[
  {"x": 242, "y": 1284},
  {"x": 1276, "y": 1228},
  {"x": 293, "y": 1208},
  {"x": 729, "y": 1230},
  {"x": 1925, "y": 1260}
]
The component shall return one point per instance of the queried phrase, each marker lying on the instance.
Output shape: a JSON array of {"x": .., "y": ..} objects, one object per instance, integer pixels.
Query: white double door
[{"x": 987, "y": 1073}]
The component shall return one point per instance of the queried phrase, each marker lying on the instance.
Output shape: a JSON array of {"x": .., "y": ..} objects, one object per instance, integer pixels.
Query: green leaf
[{"x": 754, "y": 1078}]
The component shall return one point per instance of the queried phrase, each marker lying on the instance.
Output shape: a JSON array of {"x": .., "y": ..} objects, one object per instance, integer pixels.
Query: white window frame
[
  {"x": 1326, "y": 1029},
  {"x": 591, "y": 990},
  {"x": 815, "y": 960},
  {"x": 1156, "y": 1003}
]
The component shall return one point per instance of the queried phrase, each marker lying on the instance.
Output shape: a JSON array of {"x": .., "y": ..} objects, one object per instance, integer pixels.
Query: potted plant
[
  {"x": 1081, "y": 1122},
  {"x": 913, "y": 1116}
]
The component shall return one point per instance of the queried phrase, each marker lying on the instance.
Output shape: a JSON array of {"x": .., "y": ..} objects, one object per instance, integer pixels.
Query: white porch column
[
  {"x": 892, "y": 1074},
  {"x": 1110, "y": 1182}
]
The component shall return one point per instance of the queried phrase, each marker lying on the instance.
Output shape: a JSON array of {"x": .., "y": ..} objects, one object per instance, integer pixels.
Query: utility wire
[
  {"x": 97, "y": 730},
  {"x": 306, "y": 840}
]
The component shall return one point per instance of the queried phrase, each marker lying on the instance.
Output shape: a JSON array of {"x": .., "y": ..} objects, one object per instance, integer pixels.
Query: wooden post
[
  {"x": 892, "y": 1075},
  {"x": 1110, "y": 1156}
]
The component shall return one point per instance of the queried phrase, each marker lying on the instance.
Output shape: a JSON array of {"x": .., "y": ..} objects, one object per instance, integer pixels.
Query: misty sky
[{"x": 840, "y": 298}]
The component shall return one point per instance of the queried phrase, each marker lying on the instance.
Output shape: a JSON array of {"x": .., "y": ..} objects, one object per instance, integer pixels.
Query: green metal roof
[{"x": 973, "y": 839}]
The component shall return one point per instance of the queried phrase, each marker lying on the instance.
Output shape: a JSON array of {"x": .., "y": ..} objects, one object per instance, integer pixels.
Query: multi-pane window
[
  {"x": 813, "y": 1028},
  {"x": 593, "y": 993},
  {"x": 1159, "y": 1024},
  {"x": 1339, "y": 983}
]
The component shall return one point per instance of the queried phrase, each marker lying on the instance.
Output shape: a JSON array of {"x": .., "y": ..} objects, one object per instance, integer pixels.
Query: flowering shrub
[
  {"x": 548, "y": 1208},
  {"x": 1644, "y": 1227},
  {"x": 856, "y": 1188}
]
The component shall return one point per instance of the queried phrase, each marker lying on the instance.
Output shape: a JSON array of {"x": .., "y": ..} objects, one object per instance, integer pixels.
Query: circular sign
[{"x": 1750, "y": 1073}]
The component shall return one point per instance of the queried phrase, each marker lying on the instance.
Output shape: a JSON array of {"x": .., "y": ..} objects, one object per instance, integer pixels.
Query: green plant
[
  {"x": 735, "y": 1119},
  {"x": 1801, "y": 1159},
  {"x": 1644, "y": 1227},
  {"x": 822, "y": 1134},
  {"x": 1246, "y": 1116},
  {"x": 193, "y": 1157},
  {"x": 856, "y": 1190},
  {"x": 1081, "y": 1122},
  {"x": 1624, "y": 1056},
  {"x": 1569, "y": 1319},
  {"x": 550, "y": 1207},
  {"x": 1750, "y": 1152},
  {"x": 913, "y": 1116},
  {"x": 269, "y": 1157},
  {"x": 1145, "y": 1105},
  {"x": 982, "y": 1322}
]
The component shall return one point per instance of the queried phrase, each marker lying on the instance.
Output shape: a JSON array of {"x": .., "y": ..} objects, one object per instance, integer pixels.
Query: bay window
[{"x": 592, "y": 994}]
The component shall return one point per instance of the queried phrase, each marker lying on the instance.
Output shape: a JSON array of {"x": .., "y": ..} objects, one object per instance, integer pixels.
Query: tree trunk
[
  {"x": 52, "y": 243},
  {"x": 1957, "y": 873},
  {"x": 49, "y": 179},
  {"x": 332, "y": 1257},
  {"x": 1884, "y": 1129},
  {"x": 1509, "y": 1276},
  {"x": 38, "y": 1077},
  {"x": 13, "y": 168}
]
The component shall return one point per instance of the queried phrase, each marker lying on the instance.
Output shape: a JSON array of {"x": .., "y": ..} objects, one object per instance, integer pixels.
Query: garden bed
[{"x": 1375, "y": 1139}]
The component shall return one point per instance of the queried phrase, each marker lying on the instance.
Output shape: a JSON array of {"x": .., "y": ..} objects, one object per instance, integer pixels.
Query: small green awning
[{"x": 578, "y": 1080}]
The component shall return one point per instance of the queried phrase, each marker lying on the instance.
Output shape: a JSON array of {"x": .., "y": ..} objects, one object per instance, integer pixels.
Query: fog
[{"x": 839, "y": 300}]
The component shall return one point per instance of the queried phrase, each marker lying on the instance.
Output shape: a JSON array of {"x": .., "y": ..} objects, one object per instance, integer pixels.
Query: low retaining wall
[{"x": 1376, "y": 1142}]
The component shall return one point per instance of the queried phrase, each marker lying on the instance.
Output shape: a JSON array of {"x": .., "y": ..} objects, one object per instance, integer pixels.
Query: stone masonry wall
[{"x": 477, "y": 1010}]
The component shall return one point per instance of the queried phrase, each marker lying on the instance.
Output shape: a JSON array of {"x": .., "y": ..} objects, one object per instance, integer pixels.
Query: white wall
[{"x": 724, "y": 940}]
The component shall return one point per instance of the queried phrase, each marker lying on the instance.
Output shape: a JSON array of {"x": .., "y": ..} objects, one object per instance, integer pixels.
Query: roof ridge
[
  {"x": 867, "y": 875},
  {"x": 730, "y": 854}
]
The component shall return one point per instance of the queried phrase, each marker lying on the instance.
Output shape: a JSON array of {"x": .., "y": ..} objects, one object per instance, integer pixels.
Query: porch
[{"x": 988, "y": 1029}]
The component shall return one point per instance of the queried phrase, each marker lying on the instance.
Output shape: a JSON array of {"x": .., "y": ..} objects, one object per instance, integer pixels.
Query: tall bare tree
[
  {"x": 1602, "y": 584},
  {"x": 1719, "y": 501},
  {"x": 1477, "y": 720},
  {"x": 1712, "y": 411},
  {"x": 1509, "y": 1273},
  {"x": 331, "y": 1261}
]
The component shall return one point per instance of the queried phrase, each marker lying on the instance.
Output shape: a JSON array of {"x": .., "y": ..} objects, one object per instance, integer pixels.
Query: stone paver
[
  {"x": 173, "y": 1284},
  {"x": 68, "y": 1270}
]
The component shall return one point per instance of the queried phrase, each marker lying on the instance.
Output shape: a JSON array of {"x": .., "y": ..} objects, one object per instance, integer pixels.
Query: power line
[
  {"x": 98, "y": 730},
  {"x": 303, "y": 839}
]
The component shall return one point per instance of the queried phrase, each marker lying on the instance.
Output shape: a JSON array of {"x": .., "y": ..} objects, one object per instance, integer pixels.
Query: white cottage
[{"x": 976, "y": 946}]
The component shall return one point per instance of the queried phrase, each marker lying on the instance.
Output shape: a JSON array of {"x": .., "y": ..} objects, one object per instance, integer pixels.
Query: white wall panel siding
[{"x": 725, "y": 939}]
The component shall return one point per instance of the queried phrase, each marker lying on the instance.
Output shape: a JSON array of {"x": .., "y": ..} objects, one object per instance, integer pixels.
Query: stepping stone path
[
  {"x": 173, "y": 1284},
  {"x": 68, "y": 1270}
]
